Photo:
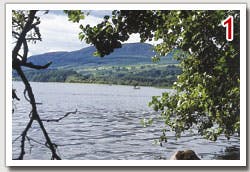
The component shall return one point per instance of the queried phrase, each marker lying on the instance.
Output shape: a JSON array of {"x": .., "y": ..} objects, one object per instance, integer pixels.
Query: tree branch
[
  {"x": 25, "y": 30},
  {"x": 16, "y": 22},
  {"x": 34, "y": 24},
  {"x": 31, "y": 65},
  {"x": 33, "y": 39},
  {"x": 24, "y": 134},
  {"x": 15, "y": 34},
  {"x": 25, "y": 51},
  {"x": 57, "y": 120},
  {"x": 16, "y": 64},
  {"x": 14, "y": 96},
  {"x": 34, "y": 116},
  {"x": 16, "y": 139},
  {"x": 31, "y": 139}
]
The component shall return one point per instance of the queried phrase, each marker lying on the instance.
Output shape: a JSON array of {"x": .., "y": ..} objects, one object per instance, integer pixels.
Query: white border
[{"x": 243, "y": 113}]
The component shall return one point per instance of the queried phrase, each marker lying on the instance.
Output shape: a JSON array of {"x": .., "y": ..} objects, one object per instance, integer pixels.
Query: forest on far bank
[{"x": 144, "y": 75}]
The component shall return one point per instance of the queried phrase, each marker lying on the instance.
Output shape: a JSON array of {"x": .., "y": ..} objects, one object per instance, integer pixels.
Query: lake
[{"x": 106, "y": 126}]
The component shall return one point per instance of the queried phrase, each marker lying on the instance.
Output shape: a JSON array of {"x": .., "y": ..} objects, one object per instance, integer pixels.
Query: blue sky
[{"x": 58, "y": 34}]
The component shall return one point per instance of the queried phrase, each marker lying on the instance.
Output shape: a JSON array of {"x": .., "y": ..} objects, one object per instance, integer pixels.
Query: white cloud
[
  {"x": 59, "y": 34},
  {"x": 133, "y": 38},
  {"x": 136, "y": 38},
  {"x": 99, "y": 13}
]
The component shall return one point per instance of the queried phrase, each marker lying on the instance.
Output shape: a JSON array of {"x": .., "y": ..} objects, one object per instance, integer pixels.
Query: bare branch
[
  {"x": 19, "y": 56},
  {"x": 24, "y": 133},
  {"x": 16, "y": 139},
  {"x": 16, "y": 64},
  {"x": 57, "y": 120},
  {"x": 25, "y": 30},
  {"x": 33, "y": 39},
  {"x": 25, "y": 51},
  {"x": 34, "y": 116},
  {"x": 34, "y": 25},
  {"x": 14, "y": 96},
  {"x": 24, "y": 93},
  {"x": 15, "y": 34},
  {"x": 31, "y": 139},
  {"x": 31, "y": 65}
]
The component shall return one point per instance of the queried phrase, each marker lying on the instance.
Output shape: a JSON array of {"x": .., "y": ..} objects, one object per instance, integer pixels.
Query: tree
[
  {"x": 207, "y": 92},
  {"x": 25, "y": 29}
]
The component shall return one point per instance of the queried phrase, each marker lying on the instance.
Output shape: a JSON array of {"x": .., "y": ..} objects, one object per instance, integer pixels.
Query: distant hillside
[
  {"x": 129, "y": 54},
  {"x": 129, "y": 65}
]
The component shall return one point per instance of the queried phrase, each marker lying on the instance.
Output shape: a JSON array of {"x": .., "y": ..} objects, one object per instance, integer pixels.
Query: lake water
[{"x": 106, "y": 126}]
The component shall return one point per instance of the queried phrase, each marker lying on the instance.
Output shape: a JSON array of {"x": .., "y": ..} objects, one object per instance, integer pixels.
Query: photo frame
[{"x": 10, "y": 161}]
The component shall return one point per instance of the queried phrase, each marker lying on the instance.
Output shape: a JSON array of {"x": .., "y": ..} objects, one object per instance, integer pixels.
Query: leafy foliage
[
  {"x": 207, "y": 92},
  {"x": 74, "y": 15}
]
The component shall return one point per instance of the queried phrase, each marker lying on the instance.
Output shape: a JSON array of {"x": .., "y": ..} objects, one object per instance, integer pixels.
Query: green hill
[
  {"x": 130, "y": 65},
  {"x": 129, "y": 54}
]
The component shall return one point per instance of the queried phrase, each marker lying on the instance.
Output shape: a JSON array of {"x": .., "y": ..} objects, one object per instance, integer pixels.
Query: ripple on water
[{"x": 106, "y": 126}]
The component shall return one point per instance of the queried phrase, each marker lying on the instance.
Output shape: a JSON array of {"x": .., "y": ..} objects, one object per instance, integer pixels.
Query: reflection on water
[
  {"x": 230, "y": 153},
  {"x": 106, "y": 126}
]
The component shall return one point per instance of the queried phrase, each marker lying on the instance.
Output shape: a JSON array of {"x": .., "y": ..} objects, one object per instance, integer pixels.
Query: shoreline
[{"x": 159, "y": 87}]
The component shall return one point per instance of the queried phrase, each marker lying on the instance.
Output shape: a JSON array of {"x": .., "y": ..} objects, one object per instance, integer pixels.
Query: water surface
[{"x": 106, "y": 126}]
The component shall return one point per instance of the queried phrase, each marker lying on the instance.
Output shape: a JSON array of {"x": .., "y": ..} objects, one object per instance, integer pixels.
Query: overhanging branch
[
  {"x": 25, "y": 30},
  {"x": 17, "y": 62},
  {"x": 57, "y": 120},
  {"x": 31, "y": 65},
  {"x": 34, "y": 116},
  {"x": 25, "y": 51}
]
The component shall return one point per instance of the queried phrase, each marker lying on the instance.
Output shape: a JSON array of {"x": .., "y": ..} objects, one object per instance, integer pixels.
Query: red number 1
[{"x": 228, "y": 23}]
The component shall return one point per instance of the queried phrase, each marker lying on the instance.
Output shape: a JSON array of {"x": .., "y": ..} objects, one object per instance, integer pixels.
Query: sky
[{"x": 59, "y": 34}]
